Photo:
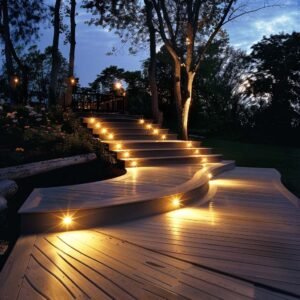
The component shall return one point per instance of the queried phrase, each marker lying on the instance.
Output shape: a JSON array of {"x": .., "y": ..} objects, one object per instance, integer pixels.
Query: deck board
[{"x": 245, "y": 244}]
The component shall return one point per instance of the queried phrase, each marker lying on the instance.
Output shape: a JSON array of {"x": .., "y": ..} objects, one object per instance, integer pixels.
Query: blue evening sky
[{"x": 94, "y": 42}]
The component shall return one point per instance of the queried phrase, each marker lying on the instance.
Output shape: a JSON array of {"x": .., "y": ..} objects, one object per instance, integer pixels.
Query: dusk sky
[{"x": 94, "y": 42}]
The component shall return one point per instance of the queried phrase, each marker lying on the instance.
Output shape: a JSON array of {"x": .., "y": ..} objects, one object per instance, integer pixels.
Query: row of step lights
[{"x": 149, "y": 126}]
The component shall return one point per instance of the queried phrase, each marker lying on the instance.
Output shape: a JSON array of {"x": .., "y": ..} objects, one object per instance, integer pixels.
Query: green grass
[{"x": 285, "y": 159}]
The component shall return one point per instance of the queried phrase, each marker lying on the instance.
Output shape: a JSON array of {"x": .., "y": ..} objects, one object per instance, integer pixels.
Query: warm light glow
[
  {"x": 155, "y": 131},
  {"x": 210, "y": 176},
  {"x": 163, "y": 137},
  {"x": 67, "y": 220},
  {"x": 118, "y": 85},
  {"x": 204, "y": 160},
  {"x": 196, "y": 151},
  {"x": 141, "y": 121},
  {"x": 110, "y": 136},
  {"x": 104, "y": 130},
  {"x": 119, "y": 146},
  {"x": 126, "y": 154},
  {"x": 189, "y": 144},
  {"x": 72, "y": 81},
  {"x": 98, "y": 125},
  {"x": 188, "y": 41},
  {"x": 92, "y": 120},
  {"x": 148, "y": 126},
  {"x": 133, "y": 164},
  {"x": 16, "y": 80},
  {"x": 176, "y": 202}
]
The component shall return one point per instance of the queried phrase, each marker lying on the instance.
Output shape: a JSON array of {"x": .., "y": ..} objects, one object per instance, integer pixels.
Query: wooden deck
[{"x": 245, "y": 244}]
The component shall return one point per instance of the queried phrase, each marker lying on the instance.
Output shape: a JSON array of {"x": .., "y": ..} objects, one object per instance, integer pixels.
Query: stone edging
[{"x": 30, "y": 169}]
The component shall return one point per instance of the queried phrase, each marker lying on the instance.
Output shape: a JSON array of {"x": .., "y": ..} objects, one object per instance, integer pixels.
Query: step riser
[
  {"x": 152, "y": 145},
  {"x": 137, "y": 131},
  {"x": 158, "y": 152},
  {"x": 170, "y": 160},
  {"x": 118, "y": 126},
  {"x": 139, "y": 137},
  {"x": 112, "y": 120}
]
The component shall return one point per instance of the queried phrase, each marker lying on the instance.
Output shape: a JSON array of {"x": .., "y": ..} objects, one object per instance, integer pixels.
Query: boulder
[
  {"x": 8, "y": 188},
  {"x": 3, "y": 203}
]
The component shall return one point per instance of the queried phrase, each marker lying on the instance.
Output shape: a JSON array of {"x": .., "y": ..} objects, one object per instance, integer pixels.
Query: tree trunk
[
  {"x": 8, "y": 55},
  {"x": 55, "y": 58},
  {"x": 156, "y": 113},
  {"x": 187, "y": 104},
  {"x": 71, "y": 53}
]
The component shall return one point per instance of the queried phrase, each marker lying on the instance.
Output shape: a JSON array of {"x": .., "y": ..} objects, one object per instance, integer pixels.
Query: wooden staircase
[{"x": 139, "y": 142}]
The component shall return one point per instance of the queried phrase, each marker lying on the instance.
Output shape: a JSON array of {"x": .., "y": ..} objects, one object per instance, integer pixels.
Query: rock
[
  {"x": 8, "y": 188},
  {"x": 3, "y": 203}
]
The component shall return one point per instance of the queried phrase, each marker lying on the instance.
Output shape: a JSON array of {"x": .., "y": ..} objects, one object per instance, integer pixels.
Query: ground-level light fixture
[
  {"x": 163, "y": 136},
  {"x": 204, "y": 160},
  {"x": 67, "y": 220},
  {"x": 176, "y": 202},
  {"x": 133, "y": 163},
  {"x": 141, "y": 121},
  {"x": 111, "y": 136},
  {"x": 104, "y": 130},
  {"x": 155, "y": 131},
  {"x": 98, "y": 125},
  {"x": 189, "y": 144},
  {"x": 210, "y": 176},
  {"x": 196, "y": 151},
  {"x": 148, "y": 126},
  {"x": 92, "y": 120},
  {"x": 126, "y": 154},
  {"x": 118, "y": 146}
]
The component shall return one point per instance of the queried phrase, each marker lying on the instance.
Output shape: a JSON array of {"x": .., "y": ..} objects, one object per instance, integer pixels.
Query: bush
[{"x": 31, "y": 134}]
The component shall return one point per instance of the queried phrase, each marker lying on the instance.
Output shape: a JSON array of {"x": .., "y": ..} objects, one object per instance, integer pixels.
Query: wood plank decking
[{"x": 244, "y": 245}]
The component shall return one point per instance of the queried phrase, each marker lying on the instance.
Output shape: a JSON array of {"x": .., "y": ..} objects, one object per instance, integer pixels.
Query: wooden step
[
  {"x": 130, "y": 131},
  {"x": 139, "y": 137},
  {"x": 146, "y": 144},
  {"x": 148, "y": 152},
  {"x": 120, "y": 125},
  {"x": 163, "y": 160},
  {"x": 93, "y": 120}
]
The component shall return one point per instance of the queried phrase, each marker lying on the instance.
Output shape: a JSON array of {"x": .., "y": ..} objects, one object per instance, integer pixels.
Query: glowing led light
[
  {"x": 67, "y": 220},
  {"x": 118, "y": 85},
  {"x": 133, "y": 164},
  {"x": 92, "y": 120},
  {"x": 189, "y": 144},
  {"x": 163, "y": 137},
  {"x": 155, "y": 131},
  {"x": 104, "y": 130},
  {"x": 176, "y": 202},
  {"x": 98, "y": 125},
  {"x": 119, "y": 146},
  {"x": 196, "y": 151},
  {"x": 141, "y": 121},
  {"x": 204, "y": 159},
  {"x": 210, "y": 176},
  {"x": 126, "y": 154},
  {"x": 148, "y": 126},
  {"x": 110, "y": 136},
  {"x": 16, "y": 80}
]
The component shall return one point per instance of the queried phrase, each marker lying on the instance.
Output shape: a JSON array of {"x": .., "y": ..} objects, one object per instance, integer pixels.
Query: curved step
[{"x": 45, "y": 208}]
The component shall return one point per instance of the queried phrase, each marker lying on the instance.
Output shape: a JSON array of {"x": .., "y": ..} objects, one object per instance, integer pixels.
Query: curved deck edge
[{"x": 147, "y": 205}]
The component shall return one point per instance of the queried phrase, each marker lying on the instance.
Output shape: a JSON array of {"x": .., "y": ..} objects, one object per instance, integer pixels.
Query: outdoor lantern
[{"x": 118, "y": 85}]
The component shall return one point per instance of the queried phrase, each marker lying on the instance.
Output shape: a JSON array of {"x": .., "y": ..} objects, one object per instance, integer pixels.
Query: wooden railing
[{"x": 99, "y": 102}]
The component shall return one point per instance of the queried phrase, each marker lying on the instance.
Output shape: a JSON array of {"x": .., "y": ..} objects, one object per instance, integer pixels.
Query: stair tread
[
  {"x": 164, "y": 149},
  {"x": 172, "y": 157}
]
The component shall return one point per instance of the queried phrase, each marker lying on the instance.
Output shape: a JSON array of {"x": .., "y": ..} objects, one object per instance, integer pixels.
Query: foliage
[
  {"x": 272, "y": 85},
  {"x": 30, "y": 134}
]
